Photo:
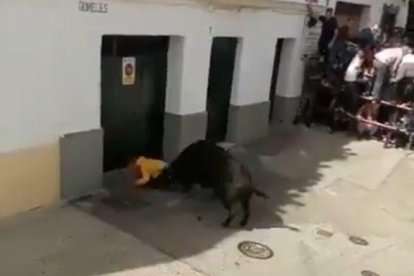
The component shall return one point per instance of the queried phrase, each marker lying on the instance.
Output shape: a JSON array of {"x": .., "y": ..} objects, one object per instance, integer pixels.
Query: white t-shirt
[
  {"x": 352, "y": 71},
  {"x": 406, "y": 68},
  {"x": 389, "y": 56}
]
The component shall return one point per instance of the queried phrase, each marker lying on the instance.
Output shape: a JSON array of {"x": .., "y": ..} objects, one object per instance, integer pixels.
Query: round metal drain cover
[
  {"x": 255, "y": 250},
  {"x": 369, "y": 273},
  {"x": 358, "y": 241}
]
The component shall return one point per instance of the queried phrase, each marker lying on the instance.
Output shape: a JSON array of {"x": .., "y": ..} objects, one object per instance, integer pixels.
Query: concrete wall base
[
  {"x": 81, "y": 163},
  {"x": 182, "y": 130},
  {"x": 247, "y": 123},
  {"x": 284, "y": 110}
]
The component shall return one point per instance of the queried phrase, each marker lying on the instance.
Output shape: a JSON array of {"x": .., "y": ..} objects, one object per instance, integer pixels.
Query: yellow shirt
[{"x": 150, "y": 168}]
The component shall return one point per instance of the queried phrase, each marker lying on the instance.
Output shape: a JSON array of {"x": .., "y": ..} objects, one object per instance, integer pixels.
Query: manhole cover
[
  {"x": 369, "y": 273},
  {"x": 255, "y": 250},
  {"x": 358, "y": 241}
]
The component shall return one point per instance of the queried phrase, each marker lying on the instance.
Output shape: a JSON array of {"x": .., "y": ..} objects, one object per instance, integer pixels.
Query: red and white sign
[{"x": 128, "y": 70}]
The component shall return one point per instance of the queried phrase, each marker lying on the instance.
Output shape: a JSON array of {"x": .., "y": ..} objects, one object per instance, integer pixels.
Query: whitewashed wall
[{"x": 50, "y": 60}]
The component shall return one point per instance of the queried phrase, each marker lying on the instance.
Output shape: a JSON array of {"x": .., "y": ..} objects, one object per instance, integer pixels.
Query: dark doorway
[
  {"x": 275, "y": 73},
  {"x": 223, "y": 54},
  {"x": 410, "y": 17},
  {"x": 388, "y": 19},
  {"x": 349, "y": 11},
  {"x": 410, "y": 23},
  {"x": 132, "y": 112}
]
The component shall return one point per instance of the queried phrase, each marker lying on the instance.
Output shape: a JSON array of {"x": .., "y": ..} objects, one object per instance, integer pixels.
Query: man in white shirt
[
  {"x": 386, "y": 62},
  {"x": 404, "y": 79},
  {"x": 406, "y": 69}
]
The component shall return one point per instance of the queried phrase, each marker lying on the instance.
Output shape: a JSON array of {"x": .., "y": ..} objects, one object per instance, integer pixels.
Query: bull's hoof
[
  {"x": 226, "y": 224},
  {"x": 243, "y": 223}
]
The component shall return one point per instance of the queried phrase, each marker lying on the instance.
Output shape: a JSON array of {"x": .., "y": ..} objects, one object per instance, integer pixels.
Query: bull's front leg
[
  {"x": 246, "y": 210},
  {"x": 229, "y": 218},
  {"x": 231, "y": 212}
]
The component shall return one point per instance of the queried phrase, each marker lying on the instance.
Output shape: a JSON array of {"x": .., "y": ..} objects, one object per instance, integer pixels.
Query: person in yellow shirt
[{"x": 147, "y": 169}]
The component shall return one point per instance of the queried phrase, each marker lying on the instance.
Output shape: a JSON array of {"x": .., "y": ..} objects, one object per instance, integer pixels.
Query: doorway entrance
[
  {"x": 133, "y": 84},
  {"x": 354, "y": 12},
  {"x": 410, "y": 23},
  {"x": 388, "y": 19},
  {"x": 223, "y": 55},
  {"x": 275, "y": 74}
]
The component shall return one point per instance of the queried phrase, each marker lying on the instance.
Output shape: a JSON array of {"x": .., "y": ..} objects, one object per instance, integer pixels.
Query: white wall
[
  {"x": 259, "y": 32},
  {"x": 50, "y": 60},
  {"x": 30, "y": 100}
]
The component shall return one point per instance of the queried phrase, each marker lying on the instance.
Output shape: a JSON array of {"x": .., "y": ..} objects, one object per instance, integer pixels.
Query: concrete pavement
[
  {"x": 323, "y": 188},
  {"x": 67, "y": 241}
]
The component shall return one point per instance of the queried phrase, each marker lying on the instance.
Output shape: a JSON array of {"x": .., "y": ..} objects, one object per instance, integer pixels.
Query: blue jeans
[{"x": 382, "y": 78}]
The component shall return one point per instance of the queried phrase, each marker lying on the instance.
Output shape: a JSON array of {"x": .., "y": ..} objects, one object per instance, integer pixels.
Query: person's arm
[
  {"x": 312, "y": 20},
  {"x": 143, "y": 169},
  {"x": 312, "y": 14},
  {"x": 399, "y": 75},
  {"x": 331, "y": 43},
  {"x": 361, "y": 111},
  {"x": 309, "y": 8},
  {"x": 333, "y": 39},
  {"x": 397, "y": 65},
  {"x": 144, "y": 179}
]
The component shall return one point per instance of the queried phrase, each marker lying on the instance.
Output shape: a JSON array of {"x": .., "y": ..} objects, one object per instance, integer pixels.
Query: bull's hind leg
[
  {"x": 230, "y": 217},
  {"x": 246, "y": 210}
]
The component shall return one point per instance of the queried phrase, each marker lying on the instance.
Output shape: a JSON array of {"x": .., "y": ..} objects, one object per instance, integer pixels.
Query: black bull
[{"x": 214, "y": 168}]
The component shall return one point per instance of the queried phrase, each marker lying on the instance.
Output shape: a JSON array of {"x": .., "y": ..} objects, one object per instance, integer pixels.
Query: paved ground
[{"x": 323, "y": 190}]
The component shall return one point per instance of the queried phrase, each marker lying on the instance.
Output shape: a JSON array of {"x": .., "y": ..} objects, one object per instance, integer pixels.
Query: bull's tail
[{"x": 261, "y": 194}]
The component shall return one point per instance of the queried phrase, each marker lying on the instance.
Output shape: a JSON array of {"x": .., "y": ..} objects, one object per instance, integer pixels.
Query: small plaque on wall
[{"x": 128, "y": 70}]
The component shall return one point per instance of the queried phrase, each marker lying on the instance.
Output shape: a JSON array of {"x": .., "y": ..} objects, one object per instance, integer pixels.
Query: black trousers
[
  {"x": 324, "y": 51},
  {"x": 351, "y": 97}
]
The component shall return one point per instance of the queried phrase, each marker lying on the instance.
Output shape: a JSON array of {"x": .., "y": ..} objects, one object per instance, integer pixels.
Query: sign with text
[
  {"x": 128, "y": 71},
  {"x": 93, "y": 7}
]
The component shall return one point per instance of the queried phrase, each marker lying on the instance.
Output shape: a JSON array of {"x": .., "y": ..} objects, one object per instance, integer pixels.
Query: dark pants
[
  {"x": 338, "y": 47},
  {"x": 324, "y": 51},
  {"x": 352, "y": 97}
]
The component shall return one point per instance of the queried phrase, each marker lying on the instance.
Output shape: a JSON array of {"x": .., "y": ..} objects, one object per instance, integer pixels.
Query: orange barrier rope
[
  {"x": 388, "y": 103},
  {"x": 375, "y": 123}
]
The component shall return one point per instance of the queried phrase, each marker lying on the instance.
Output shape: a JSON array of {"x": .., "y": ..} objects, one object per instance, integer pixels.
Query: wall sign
[
  {"x": 93, "y": 7},
  {"x": 128, "y": 71}
]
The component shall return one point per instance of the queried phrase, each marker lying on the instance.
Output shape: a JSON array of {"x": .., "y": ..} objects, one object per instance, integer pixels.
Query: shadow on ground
[{"x": 285, "y": 165}]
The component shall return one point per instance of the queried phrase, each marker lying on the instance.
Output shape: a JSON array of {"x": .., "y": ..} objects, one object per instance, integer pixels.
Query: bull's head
[{"x": 165, "y": 179}]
